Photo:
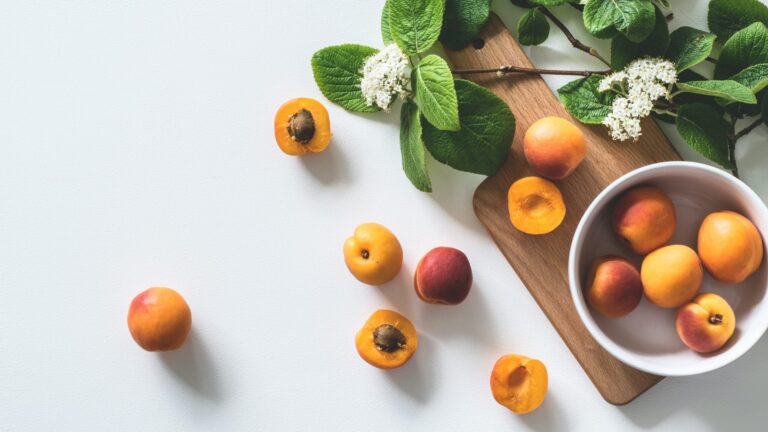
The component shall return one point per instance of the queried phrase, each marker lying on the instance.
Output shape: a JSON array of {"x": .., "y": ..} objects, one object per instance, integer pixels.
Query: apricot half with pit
[
  {"x": 730, "y": 246},
  {"x": 387, "y": 340},
  {"x": 159, "y": 319},
  {"x": 519, "y": 383},
  {"x": 536, "y": 205},
  {"x": 302, "y": 126}
]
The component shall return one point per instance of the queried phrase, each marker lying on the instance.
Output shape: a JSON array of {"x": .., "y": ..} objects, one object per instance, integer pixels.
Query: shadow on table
[
  {"x": 418, "y": 377},
  {"x": 193, "y": 366},
  {"x": 328, "y": 167}
]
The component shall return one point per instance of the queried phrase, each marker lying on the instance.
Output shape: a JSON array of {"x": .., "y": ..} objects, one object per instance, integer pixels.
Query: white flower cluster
[
  {"x": 386, "y": 76},
  {"x": 640, "y": 85}
]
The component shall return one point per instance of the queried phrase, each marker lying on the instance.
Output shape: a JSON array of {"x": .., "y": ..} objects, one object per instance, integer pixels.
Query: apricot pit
[
  {"x": 302, "y": 126},
  {"x": 387, "y": 340}
]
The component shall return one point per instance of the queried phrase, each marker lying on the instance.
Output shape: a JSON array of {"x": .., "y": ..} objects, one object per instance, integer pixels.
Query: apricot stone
[
  {"x": 730, "y": 246},
  {"x": 614, "y": 288},
  {"x": 671, "y": 276},
  {"x": 443, "y": 276},
  {"x": 705, "y": 324},
  {"x": 159, "y": 319},
  {"x": 519, "y": 383},
  {"x": 387, "y": 339},
  {"x": 645, "y": 218},
  {"x": 373, "y": 254},
  {"x": 554, "y": 147}
]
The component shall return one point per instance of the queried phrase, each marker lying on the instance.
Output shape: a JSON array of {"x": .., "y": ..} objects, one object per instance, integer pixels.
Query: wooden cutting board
[{"x": 541, "y": 262}]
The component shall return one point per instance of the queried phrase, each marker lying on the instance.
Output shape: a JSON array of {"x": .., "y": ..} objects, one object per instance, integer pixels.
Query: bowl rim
[{"x": 718, "y": 361}]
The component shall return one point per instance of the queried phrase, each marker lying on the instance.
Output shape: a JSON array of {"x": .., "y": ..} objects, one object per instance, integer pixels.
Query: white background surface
[{"x": 136, "y": 149}]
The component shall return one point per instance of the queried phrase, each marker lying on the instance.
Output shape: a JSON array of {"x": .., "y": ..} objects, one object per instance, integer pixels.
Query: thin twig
[
  {"x": 571, "y": 38},
  {"x": 732, "y": 138},
  {"x": 711, "y": 60},
  {"x": 504, "y": 70},
  {"x": 749, "y": 128},
  {"x": 670, "y": 17}
]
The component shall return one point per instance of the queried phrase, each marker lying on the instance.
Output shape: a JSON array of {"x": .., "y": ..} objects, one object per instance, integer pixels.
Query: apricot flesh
[
  {"x": 705, "y": 324},
  {"x": 519, "y": 383},
  {"x": 443, "y": 276},
  {"x": 645, "y": 218},
  {"x": 373, "y": 254},
  {"x": 159, "y": 319},
  {"x": 536, "y": 205},
  {"x": 614, "y": 288},
  {"x": 730, "y": 246},
  {"x": 554, "y": 147},
  {"x": 302, "y": 126},
  {"x": 387, "y": 340},
  {"x": 671, "y": 276}
]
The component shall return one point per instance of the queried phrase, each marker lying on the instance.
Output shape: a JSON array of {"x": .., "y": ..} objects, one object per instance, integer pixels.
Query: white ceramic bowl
[{"x": 646, "y": 339}]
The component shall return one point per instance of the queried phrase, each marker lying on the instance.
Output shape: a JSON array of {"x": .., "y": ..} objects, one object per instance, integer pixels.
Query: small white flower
[
  {"x": 386, "y": 76},
  {"x": 641, "y": 83}
]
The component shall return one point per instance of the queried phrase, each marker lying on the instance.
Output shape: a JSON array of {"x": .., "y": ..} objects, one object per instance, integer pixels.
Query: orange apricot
[
  {"x": 519, "y": 383},
  {"x": 387, "y": 340},
  {"x": 302, "y": 126},
  {"x": 645, "y": 218},
  {"x": 554, "y": 147},
  {"x": 159, "y": 319},
  {"x": 536, "y": 205},
  {"x": 671, "y": 276},
  {"x": 730, "y": 246},
  {"x": 373, "y": 254}
]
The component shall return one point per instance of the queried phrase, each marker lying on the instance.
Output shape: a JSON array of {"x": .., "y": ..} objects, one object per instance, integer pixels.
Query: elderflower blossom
[
  {"x": 640, "y": 85},
  {"x": 386, "y": 75}
]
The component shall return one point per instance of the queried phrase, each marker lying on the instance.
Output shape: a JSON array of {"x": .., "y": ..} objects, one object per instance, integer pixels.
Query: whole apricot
[
  {"x": 443, "y": 276},
  {"x": 554, "y": 147},
  {"x": 535, "y": 205},
  {"x": 645, "y": 218},
  {"x": 302, "y": 126},
  {"x": 373, "y": 254},
  {"x": 705, "y": 324},
  {"x": 387, "y": 340},
  {"x": 671, "y": 276},
  {"x": 159, "y": 319},
  {"x": 614, "y": 288},
  {"x": 730, "y": 246},
  {"x": 519, "y": 383}
]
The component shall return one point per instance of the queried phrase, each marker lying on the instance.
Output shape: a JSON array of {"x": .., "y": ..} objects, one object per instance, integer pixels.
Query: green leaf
[
  {"x": 745, "y": 48},
  {"x": 705, "y": 130},
  {"x": 728, "y": 90},
  {"x": 487, "y": 126},
  {"x": 523, "y": 3},
  {"x": 623, "y": 50},
  {"x": 412, "y": 147},
  {"x": 549, "y": 2},
  {"x": 689, "y": 47},
  {"x": 533, "y": 28},
  {"x": 726, "y": 17},
  {"x": 337, "y": 71},
  {"x": 754, "y": 77},
  {"x": 386, "y": 31},
  {"x": 584, "y": 102},
  {"x": 435, "y": 94},
  {"x": 634, "y": 19},
  {"x": 415, "y": 24},
  {"x": 463, "y": 21}
]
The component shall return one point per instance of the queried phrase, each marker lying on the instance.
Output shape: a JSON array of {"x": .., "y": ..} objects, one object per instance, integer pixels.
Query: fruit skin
[
  {"x": 373, "y": 254},
  {"x": 671, "y": 276},
  {"x": 443, "y": 276},
  {"x": 367, "y": 348},
  {"x": 320, "y": 136},
  {"x": 519, "y": 383},
  {"x": 705, "y": 324},
  {"x": 614, "y": 288},
  {"x": 730, "y": 246},
  {"x": 535, "y": 205},
  {"x": 554, "y": 147},
  {"x": 159, "y": 319},
  {"x": 645, "y": 217}
]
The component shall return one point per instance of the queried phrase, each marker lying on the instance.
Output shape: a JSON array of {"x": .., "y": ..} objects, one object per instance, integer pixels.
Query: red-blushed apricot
[
  {"x": 730, "y": 246},
  {"x": 614, "y": 288},
  {"x": 373, "y": 254},
  {"x": 554, "y": 147},
  {"x": 519, "y": 383},
  {"x": 671, "y": 275},
  {"x": 443, "y": 276},
  {"x": 705, "y": 324},
  {"x": 159, "y": 319},
  {"x": 536, "y": 205},
  {"x": 302, "y": 126},
  {"x": 645, "y": 218},
  {"x": 387, "y": 340}
]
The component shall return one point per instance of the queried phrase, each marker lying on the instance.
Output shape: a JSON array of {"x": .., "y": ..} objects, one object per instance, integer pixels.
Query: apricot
[
  {"x": 705, "y": 324},
  {"x": 671, "y": 276},
  {"x": 519, "y": 383},
  {"x": 554, "y": 147},
  {"x": 614, "y": 288},
  {"x": 159, "y": 319},
  {"x": 536, "y": 205},
  {"x": 302, "y": 126},
  {"x": 387, "y": 340},
  {"x": 645, "y": 218},
  {"x": 373, "y": 254},
  {"x": 730, "y": 246},
  {"x": 443, "y": 276}
]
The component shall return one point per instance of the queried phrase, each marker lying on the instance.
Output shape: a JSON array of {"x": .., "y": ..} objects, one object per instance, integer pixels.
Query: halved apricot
[
  {"x": 536, "y": 205},
  {"x": 302, "y": 126},
  {"x": 387, "y": 340},
  {"x": 519, "y": 383}
]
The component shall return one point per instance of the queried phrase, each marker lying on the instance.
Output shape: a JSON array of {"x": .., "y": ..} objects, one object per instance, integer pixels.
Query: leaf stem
[
  {"x": 749, "y": 128},
  {"x": 571, "y": 38},
  {"x": 508, "y": 69},
  {"x": 732, "y": 138}
]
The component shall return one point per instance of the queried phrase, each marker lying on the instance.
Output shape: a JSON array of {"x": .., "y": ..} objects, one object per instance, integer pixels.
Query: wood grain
[{"x": 541, "y": 262}]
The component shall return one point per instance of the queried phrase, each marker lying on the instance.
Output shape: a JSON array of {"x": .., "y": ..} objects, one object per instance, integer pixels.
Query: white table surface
[{"x": 136, "y": 149}]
